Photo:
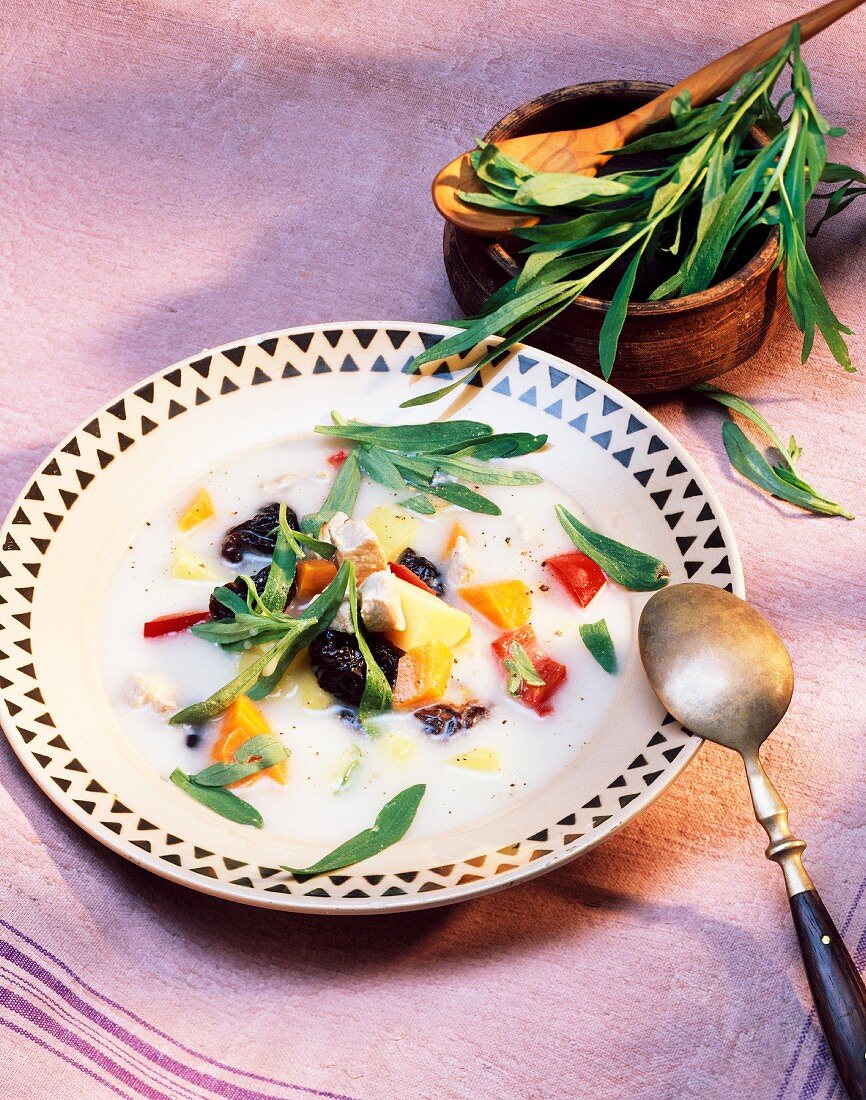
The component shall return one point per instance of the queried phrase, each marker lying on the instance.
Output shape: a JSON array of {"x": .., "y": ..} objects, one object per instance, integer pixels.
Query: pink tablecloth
[{"x": 175, "y": 174}]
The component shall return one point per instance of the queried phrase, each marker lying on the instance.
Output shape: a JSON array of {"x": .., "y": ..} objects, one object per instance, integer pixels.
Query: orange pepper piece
[
  {"x": 241, "y": 721},
  {"x": 505, "y": 603},
  {"x": 422, "y": 675},
  {"x": 200, "y": 508},
  {"x": 313, "y": 576}
]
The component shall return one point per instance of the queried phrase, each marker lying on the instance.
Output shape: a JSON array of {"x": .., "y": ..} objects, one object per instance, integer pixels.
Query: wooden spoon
[
  {"x": 719, "y": 667},
  {"x": 584, "y": 151}
]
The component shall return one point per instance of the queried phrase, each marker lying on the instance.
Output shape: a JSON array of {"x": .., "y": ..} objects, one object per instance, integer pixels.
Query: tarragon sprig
[
  {"x": 781, "y": 478},
  {"x": 209, "y": 786},
  {"x": 694, "y": 212},
  {"x": 435, "y": 459},
  {"x": 286, "y": 636}
]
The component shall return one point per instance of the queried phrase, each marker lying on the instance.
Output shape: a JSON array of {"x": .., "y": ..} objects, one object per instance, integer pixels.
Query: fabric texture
[{"x": 176, "y": 174}]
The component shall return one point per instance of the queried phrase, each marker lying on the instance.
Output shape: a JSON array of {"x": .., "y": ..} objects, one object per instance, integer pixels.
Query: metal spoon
[
  {"x": 722, "y": 671},
  {"x": 585, "y": 151}
]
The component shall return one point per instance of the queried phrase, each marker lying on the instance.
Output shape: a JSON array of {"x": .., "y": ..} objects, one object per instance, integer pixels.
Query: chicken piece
[
  {"x": 151, "y": 691},
  {"x": 459, "y": 565},
  {"x": 357, "y": 543},
  {"x": 342, "y": 620},
  {"x": 381, "y": 607},
  {"x": 531, "y": 529}
]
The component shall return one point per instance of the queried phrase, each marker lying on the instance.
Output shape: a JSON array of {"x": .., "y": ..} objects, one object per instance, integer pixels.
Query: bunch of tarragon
[{"x": 711, "y": 188}]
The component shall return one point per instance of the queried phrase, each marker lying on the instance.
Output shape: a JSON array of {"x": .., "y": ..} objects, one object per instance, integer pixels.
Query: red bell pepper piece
[
  {"x": 580, "y": 575},
  {"x": 552, "y": 672},
  {"x": 406, "y": 574},
  {"x": 338, "y": 458},
  {"x": 172, "y": 624}
]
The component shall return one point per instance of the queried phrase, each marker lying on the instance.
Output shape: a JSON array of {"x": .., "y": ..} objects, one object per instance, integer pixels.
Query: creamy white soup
[{"x": 338, "y": 774}]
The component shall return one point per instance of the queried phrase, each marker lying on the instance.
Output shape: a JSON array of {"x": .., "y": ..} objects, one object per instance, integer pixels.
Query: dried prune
[
  {"x": 340, "y": 668},
  {"x": 424, "y": 569},
  {"x": 256, "y": 535},
  {"x": 218, "y": 611},
  {"x": 443, "y": 720}
]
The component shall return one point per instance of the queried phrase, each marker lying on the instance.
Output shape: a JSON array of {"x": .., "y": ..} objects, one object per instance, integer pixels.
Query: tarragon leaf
[
  {"x": 633, "y": 569},
  {"x": 419, "y": 503},
  {"x": 281, "y": 574},
  {"x": 615, "y": 316},
  {"x": 253, "y": 756},
  {"x": 748, "y": 460},
  {"x": 341, "y": 498},
  {"x": 376, "y": 697},
  {"x": 391, "y": 825},
  {"x": 464, "y": 497},
  {"x": 377, "y": 465},
  {"x": 215, "y": 704},
  {"x": 770, "y": 475},
  {"x": 520, "y": 669},
  {"x": 355, "y": 757},
  {"x": 596, "y": 637},
  {"x": 323, "y": 549},
  {"x": 744, "y": 408},
  {"x": 254, "y": 680},
  {"x": 410, "y": 438},
  {"x": 219, "y": 800},
  {"x": 317, "y": 617}
]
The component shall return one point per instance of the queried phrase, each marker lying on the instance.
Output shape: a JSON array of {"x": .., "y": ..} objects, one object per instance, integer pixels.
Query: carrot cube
[
  {"x": 241, "y": 721},
  {"x": 422, "y": 675},
  {"x": 313, "y": 576}
]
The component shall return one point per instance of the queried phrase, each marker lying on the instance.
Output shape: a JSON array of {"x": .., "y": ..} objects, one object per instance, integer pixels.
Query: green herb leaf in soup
[
  {"x": 391, "y": 825},
  {"x": 596, "y": 637},
  {"x": 520, "y": 670},
  {"x": 219, "y": 800},
  {"x": 253, "y": 756},
  {"x": 376, "y": 697},
  {"x": 411, "y": 438},
  {"x": 341, "y": 498},
  {"x": 632, "y": 569},
  {"x": 261, "y": 677},
  {"x": 282, "y": 571}
]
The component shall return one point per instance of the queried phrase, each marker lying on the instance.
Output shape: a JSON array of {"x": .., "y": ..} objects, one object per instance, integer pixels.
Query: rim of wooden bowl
[{"x": 762, "y": 261}]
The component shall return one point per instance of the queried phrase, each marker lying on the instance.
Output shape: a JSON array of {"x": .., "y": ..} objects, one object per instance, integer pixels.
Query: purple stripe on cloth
[
  {"x": 810, "y": 1024},
  {"x": 34, "y": 1015},
  {"x": 186, "y": 1073},
  {"x": 40, "y": 1042},
  {"x": 42, "y": 997}
]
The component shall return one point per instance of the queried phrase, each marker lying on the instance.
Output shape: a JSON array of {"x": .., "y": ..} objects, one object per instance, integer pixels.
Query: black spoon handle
[{"x": 837, "y": 989}]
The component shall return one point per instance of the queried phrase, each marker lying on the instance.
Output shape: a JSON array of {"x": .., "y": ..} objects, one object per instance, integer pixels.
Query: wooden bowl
[{"x": 664, "y": 345}]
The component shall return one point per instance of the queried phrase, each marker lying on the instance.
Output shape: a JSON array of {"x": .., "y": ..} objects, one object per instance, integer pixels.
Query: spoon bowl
[
  {"x": 581, "y": 152},
  {"x": 716, "y": 664}
]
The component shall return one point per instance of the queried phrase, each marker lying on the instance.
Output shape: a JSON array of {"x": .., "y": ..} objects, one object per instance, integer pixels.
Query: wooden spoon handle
[
  {"x": 837, "y": 989},
  {"x": 717, "y": 77}
]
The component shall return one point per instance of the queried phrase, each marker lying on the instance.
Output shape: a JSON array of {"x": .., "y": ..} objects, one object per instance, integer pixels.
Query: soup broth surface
[{"x": 312, "y": 807}]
